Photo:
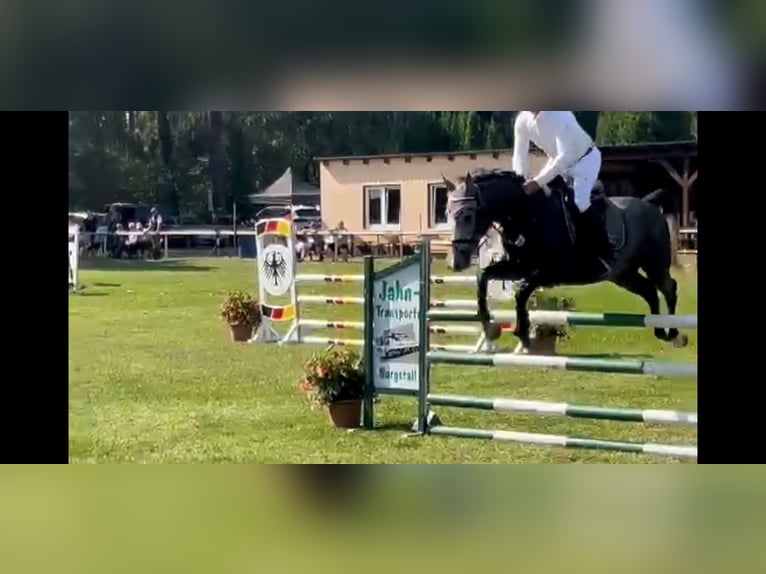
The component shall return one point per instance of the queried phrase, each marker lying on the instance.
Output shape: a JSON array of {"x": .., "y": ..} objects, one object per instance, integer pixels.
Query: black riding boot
[{"x": 593, "y": 217}]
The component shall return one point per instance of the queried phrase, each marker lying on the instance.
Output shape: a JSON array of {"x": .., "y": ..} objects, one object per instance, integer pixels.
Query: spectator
[
  {"x": 341, "y": 239},
  {"x": 90, "y": 238},
  {"x": 301, "y": 246},
  {"x": 118, "y": 242},
  {"x": 112, "y": 221},
  {"x": 316, "y": 241},
  {"x": 131, "y": 244},
  {"x": 144, "y": 244},
  {"x": 154, "y": 228}
]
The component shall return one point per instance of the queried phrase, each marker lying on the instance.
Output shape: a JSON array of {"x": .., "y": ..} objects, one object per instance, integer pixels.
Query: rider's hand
[{"x": 531, "y": 186}]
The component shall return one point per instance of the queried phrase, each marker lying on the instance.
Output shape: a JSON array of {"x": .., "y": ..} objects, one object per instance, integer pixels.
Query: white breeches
[{"x": 585, "y": 174}]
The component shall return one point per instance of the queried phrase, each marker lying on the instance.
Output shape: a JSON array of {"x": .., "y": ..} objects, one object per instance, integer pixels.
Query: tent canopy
[{"x": 288, "y": 189}]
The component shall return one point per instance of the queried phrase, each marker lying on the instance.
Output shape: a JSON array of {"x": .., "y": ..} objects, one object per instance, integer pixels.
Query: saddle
[{"x": 611, "y": 216}]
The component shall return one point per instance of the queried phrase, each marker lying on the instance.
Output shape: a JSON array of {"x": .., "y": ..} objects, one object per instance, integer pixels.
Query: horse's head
[{"x": 474, "y": 204}]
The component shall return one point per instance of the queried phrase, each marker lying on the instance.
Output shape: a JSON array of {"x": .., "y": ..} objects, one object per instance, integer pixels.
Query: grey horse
[{"x": 544, "y": 249}]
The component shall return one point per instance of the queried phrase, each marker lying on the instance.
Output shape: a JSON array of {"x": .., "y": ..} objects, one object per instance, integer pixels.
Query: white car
[
  {"x": 393, "y": 344},
  {"x": 302, "y": 215}
]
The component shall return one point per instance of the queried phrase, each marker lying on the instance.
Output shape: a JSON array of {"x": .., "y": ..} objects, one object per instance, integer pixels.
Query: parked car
[{"x": 303, "y": 216}]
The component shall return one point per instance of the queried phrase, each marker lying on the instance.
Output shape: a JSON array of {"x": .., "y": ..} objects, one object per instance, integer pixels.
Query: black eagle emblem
[{"x": 275, "y": 268}]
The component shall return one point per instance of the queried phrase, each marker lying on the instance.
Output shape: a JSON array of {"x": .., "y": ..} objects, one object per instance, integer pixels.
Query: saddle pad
[{"x": 614, "y": 220}]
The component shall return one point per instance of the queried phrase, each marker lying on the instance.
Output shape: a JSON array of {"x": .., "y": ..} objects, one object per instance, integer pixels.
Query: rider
[{"x": 571, "y": 152}]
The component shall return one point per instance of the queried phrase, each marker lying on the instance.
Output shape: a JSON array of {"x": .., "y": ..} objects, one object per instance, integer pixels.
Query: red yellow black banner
[{"x": 286, "y": 313}]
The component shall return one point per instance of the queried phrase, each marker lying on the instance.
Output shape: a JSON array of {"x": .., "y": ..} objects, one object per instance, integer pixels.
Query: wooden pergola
[{"x": 675, "y": 157}]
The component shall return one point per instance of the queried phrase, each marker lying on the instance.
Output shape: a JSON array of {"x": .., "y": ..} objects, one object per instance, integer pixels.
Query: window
[
  {"x": 437, "y": 206},
  {"x": 383, "y": 207}
]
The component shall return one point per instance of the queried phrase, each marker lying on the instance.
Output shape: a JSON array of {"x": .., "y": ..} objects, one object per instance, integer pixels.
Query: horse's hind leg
[
  {"x": 636, "y": 283},
  {"x": 661, "y": 277}
]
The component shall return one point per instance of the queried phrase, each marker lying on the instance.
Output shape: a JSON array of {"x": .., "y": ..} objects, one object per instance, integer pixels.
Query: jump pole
[
  {"x": 74, "y": 257},
  {"x": 405, "y": 308}
]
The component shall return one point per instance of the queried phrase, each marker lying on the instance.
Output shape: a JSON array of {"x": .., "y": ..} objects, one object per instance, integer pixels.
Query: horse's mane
[
  {"x": 482, "y": 176},
  {"x": 490, "y": 182}
]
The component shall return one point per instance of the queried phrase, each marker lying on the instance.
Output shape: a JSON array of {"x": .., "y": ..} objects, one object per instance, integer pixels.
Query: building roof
[
  {"x": 285, "y": 188},
  {"x": 638, "y": 151},
  {"x": 390, "y": 156}
]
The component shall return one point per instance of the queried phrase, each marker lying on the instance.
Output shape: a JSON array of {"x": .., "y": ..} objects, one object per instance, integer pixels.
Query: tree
[
  {"x": 182, "y": 159},
  {"x": 589, "y": 122},
  {"x": 644, "y": 127}
]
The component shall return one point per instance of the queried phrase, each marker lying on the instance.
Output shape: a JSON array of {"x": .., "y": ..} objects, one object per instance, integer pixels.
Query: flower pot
[
  {"x": 544, "y": 344},
  {"x": 241, "y": 332},
  {"x": 346, "y": 414}
]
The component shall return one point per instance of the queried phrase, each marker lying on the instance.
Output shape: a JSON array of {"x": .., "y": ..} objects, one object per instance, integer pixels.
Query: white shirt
[
  {"x": 155, "y": 222},
  {"x": 558, "y": 134}
]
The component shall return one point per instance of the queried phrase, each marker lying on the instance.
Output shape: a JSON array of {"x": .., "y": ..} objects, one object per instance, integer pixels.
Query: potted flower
[
  {"x": 544, "y": 337},
  {"x": 243, "y": 314},
  {"x": 334, "y": 378}
]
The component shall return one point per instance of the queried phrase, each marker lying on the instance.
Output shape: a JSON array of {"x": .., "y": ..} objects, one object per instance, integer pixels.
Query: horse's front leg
[
  {"x": 491, "y": 330},
  {"x": 523, "y": 324}
]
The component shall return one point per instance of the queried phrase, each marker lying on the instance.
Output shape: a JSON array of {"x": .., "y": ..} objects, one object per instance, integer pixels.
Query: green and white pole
[
  {"x": 630, "y": 367},
  {"x": 574, "y": 319},
  {"x": 646, "y": 416},
  {"x": 679, "y": 451},
  {"x": 368, "y": 404},
  {"x": 424, "y": 386}
]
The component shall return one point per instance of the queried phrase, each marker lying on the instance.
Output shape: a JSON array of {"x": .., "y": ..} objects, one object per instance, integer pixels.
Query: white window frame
[
  {"x": 383, "y": 207},
  {"x": 432, "y": 187}
]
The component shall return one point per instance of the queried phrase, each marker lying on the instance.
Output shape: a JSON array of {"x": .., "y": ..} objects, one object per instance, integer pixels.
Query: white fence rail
[{"x": 393, "y": 242}]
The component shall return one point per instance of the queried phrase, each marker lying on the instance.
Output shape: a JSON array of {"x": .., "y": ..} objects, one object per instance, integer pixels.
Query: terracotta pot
[
  {"x": 346, "y": 414},
  {"x": 241, "y": 332},
  {"x": 543, "y": 345}
]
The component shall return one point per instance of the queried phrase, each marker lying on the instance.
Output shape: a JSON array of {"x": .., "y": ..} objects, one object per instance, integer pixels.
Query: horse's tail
[{"x": 656, "y": 198}]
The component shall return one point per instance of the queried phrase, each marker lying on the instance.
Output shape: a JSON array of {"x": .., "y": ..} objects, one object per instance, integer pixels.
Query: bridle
[{"x": 473, "y": 200}]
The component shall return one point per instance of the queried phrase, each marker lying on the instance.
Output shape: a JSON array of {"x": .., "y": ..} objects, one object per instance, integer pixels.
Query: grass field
[{"x": 154, "y": 377}]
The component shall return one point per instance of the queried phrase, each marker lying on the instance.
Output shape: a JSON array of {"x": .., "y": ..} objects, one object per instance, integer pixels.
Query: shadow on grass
[
  {"x": 107, "y": 284},
  {"x": 611, "y": 356},
  {"x": 109, "y": 264},
  {"x": 402, "y": 427},
  {"x": 91, "y": 294}
]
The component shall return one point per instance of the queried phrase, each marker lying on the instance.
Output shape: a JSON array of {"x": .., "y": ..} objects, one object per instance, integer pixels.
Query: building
[
  {"x": 639, "y": 169},
  {"x": 400, "y": 192},
  {"x": 405, "y": 192}
]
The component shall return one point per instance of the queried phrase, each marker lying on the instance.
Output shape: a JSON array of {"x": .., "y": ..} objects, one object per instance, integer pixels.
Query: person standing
[{"x": 154, "y": 227}]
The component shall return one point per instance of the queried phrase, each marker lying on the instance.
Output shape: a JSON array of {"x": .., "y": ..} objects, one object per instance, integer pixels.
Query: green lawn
[{"x": 154, "y": 377}]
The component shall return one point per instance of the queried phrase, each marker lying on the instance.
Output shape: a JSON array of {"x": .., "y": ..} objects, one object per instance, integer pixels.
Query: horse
[{"x": 545, "y": 248}]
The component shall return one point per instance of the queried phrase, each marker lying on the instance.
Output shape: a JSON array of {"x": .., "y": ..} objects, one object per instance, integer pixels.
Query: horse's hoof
[
  {"x": 525, "y": 340},
  {"x": 493, "y": 331},
  {"x": 680, "y": 341}
]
